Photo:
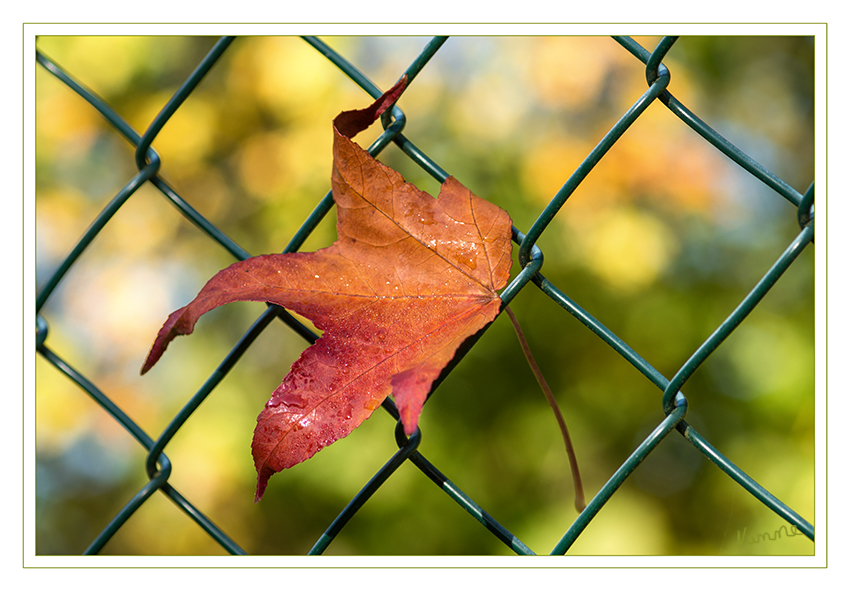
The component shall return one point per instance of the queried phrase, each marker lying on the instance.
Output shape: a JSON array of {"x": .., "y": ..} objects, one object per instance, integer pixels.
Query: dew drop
[
  {"x": 371, "y": 404},
  {"x": 468, "y": 261}
]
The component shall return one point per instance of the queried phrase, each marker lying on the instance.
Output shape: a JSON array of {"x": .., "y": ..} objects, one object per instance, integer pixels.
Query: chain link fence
[{"x": 672, "y": 421}]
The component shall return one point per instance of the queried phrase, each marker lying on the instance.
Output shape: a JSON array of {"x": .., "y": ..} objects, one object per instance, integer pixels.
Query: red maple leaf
[{"x": 408, "y": 280}]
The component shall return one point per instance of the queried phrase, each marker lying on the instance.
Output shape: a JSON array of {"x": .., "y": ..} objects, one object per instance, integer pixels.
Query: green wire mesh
[{"x": 674, "y": 404}]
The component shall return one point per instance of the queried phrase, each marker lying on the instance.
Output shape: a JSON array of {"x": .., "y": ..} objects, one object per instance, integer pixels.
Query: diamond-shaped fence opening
[{"x": 662, "y": 274}]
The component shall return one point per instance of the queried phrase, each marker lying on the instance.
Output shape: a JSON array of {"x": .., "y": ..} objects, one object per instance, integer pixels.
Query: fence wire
[{"x": 159, "y": 468}]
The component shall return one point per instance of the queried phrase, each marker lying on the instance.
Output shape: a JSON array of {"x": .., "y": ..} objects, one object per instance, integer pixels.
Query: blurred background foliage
[{"x": 660, "y": 243}]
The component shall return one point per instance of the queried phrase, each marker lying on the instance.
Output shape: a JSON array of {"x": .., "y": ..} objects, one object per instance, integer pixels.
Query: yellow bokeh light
[{"x": 626, "y": 247}]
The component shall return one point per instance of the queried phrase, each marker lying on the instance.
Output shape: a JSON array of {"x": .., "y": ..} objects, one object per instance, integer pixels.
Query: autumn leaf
[{"x": 408, "y": 280}]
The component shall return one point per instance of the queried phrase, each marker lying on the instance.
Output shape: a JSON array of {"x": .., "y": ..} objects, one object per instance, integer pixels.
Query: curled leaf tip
[{"x": 350, "y": 123}]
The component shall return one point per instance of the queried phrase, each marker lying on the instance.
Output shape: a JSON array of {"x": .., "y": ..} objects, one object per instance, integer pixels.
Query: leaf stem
[{"x": 579, "y": 490}]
